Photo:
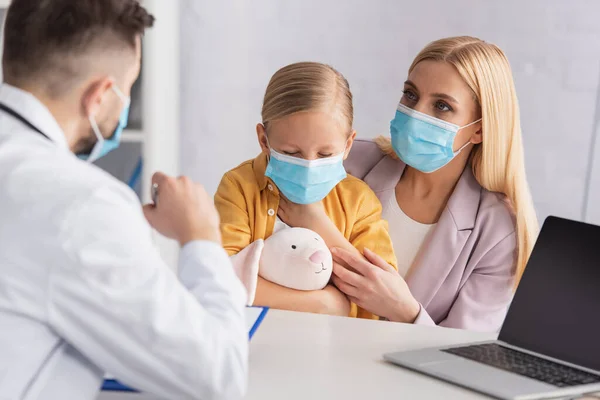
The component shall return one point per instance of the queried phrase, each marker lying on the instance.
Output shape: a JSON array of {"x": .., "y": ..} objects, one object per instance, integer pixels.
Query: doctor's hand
[{"x": 185, "y": 212}]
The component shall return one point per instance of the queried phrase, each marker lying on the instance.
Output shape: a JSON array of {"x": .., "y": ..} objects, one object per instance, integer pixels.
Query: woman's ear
[
  {"x": 477, "y": 137},
  {"x": 349, "y": 143},
  {"x": 261, "y": 134}
]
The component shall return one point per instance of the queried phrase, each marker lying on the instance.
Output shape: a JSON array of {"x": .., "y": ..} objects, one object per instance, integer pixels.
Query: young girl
[{"x": 299, "y": 179}]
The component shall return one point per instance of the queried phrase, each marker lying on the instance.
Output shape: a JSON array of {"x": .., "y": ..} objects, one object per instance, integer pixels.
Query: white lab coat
[{"x": 83, "y": 291}]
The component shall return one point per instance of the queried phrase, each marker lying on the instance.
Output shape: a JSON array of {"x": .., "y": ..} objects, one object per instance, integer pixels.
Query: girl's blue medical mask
[
  {"x": 422, "y": 141},
  {"x": 305, "y": 181},
  {"x": 104, "y": 146}
]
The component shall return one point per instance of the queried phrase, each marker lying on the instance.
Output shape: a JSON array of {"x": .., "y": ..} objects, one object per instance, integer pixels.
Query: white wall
[
  {"x": 592, "y": 200},
  {"x": 232, "y": 47}
]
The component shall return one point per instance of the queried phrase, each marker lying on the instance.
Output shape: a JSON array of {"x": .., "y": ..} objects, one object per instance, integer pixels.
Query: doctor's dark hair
[
  {"x": 305, "y": 87},
  {"x": 52, "y": 41}
]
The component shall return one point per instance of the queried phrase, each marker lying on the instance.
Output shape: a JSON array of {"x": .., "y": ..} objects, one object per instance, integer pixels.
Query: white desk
[
  {"x": 304, "y": 356},
  {"x": 307, "y": 356}
]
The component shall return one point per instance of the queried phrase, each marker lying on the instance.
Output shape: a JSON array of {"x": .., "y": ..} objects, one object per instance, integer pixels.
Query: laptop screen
[{"x": 556, "y": 309}]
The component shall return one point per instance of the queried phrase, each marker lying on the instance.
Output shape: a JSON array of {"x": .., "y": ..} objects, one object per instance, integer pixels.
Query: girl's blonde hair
[
  {"x": 498, "y": 162},
  {"x": 308, "y": 86}
]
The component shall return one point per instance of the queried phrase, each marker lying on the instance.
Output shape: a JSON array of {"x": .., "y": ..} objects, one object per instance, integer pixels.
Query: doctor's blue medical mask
[
  {"x": 422, "y": 141},
  {"x": 104, "y": 146},
  {"x": 305, "y": 181}
]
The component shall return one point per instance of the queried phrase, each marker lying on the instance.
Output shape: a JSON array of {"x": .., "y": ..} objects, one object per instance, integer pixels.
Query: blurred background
[
  {"x": 231, "y": 48},
  {"x": 207, "y": 63}
]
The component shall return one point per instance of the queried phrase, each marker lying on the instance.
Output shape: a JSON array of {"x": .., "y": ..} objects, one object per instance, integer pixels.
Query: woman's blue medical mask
[
  {"x": 305, "y": 181},
  {"x": 104, "y": 146},
  {"x": 422, "y": 141}
]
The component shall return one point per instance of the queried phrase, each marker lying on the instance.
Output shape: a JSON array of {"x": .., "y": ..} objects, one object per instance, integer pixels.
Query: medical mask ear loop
[
  {"x": 99, "y": 140},
  {"x": 121, "y": 95},
  {"x": 346, "y": 146},
  {"x": 468, "y": 125},
  {"x": 268, "y": 145},
  {"x": 124, "y": 99},
  {"x": 96, "y": 129},
  {"x": 457, "y": 152}
]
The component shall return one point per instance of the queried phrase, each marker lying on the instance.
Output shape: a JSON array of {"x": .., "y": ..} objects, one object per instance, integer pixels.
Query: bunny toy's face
[{"x": 297, "y": 258}]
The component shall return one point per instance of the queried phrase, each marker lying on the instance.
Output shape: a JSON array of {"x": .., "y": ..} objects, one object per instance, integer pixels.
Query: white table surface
[{"x": 308, "y": 356}]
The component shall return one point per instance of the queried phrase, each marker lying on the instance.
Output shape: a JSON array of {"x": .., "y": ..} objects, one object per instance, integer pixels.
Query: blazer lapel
[{"x": 440, "y": 252}]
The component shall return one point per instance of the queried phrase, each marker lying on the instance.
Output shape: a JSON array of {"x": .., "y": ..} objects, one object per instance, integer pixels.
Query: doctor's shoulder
[{"x": 85, "y": 181}]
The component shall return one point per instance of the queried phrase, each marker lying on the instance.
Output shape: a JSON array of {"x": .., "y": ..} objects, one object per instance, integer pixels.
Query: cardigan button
[{"x": 271, "y": 212}]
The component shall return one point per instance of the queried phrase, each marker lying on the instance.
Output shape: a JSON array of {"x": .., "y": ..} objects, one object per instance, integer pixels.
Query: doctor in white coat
[{"x": 83, "y": 291}]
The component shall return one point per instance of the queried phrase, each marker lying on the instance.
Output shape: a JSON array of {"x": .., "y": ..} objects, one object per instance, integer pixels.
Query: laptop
[{"x": 549, "y": 344}]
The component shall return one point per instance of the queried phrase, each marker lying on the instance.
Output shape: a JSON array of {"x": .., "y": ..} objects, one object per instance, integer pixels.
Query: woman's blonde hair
[
  {"x": 308, "y": 86},
  {"x": 498, "y": 162}
]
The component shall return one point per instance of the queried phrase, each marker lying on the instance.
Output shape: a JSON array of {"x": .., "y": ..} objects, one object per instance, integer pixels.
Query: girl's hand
[
  {"x": 309, "y": 216},
  {"x": 327, "y": 301},
  {"x": 374, "y": 285},
  {"x": 334, "y": 302},
  {"x": 313, "y": 217}
]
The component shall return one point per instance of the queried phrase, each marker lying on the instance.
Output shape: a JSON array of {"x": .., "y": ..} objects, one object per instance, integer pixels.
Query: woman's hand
[
  {"x": 374, "y": 285},
  {"x": 309, "y": 216}
]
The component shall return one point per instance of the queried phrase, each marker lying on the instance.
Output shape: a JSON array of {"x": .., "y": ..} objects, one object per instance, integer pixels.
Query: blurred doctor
[{"x": 82, "y": 288}]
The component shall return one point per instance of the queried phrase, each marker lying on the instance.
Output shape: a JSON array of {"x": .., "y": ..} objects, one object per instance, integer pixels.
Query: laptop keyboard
[{"x": 525, "y": 364}]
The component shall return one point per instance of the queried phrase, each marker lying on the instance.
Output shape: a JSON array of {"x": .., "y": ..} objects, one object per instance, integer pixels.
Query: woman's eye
[
  {"x": 325, "y": 155},
  {"x": 409, "y": 95},
  {"x": 441, "y": 106},
  {"x": 291, "y": 153}
]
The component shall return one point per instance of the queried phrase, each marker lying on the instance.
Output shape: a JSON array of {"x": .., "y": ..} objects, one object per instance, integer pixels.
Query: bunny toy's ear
[
  {"x": 245, "y": 264},
  {"x": 279, "y": 226}
]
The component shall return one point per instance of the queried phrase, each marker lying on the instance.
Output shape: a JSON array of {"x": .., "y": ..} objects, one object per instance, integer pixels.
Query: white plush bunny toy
[{"x": 297, "y": 258}]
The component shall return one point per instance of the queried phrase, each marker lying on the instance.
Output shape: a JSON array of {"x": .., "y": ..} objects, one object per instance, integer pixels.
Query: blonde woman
[
  {"x": 452, "y": 184},
  {"x": 299, "y": 180}
]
